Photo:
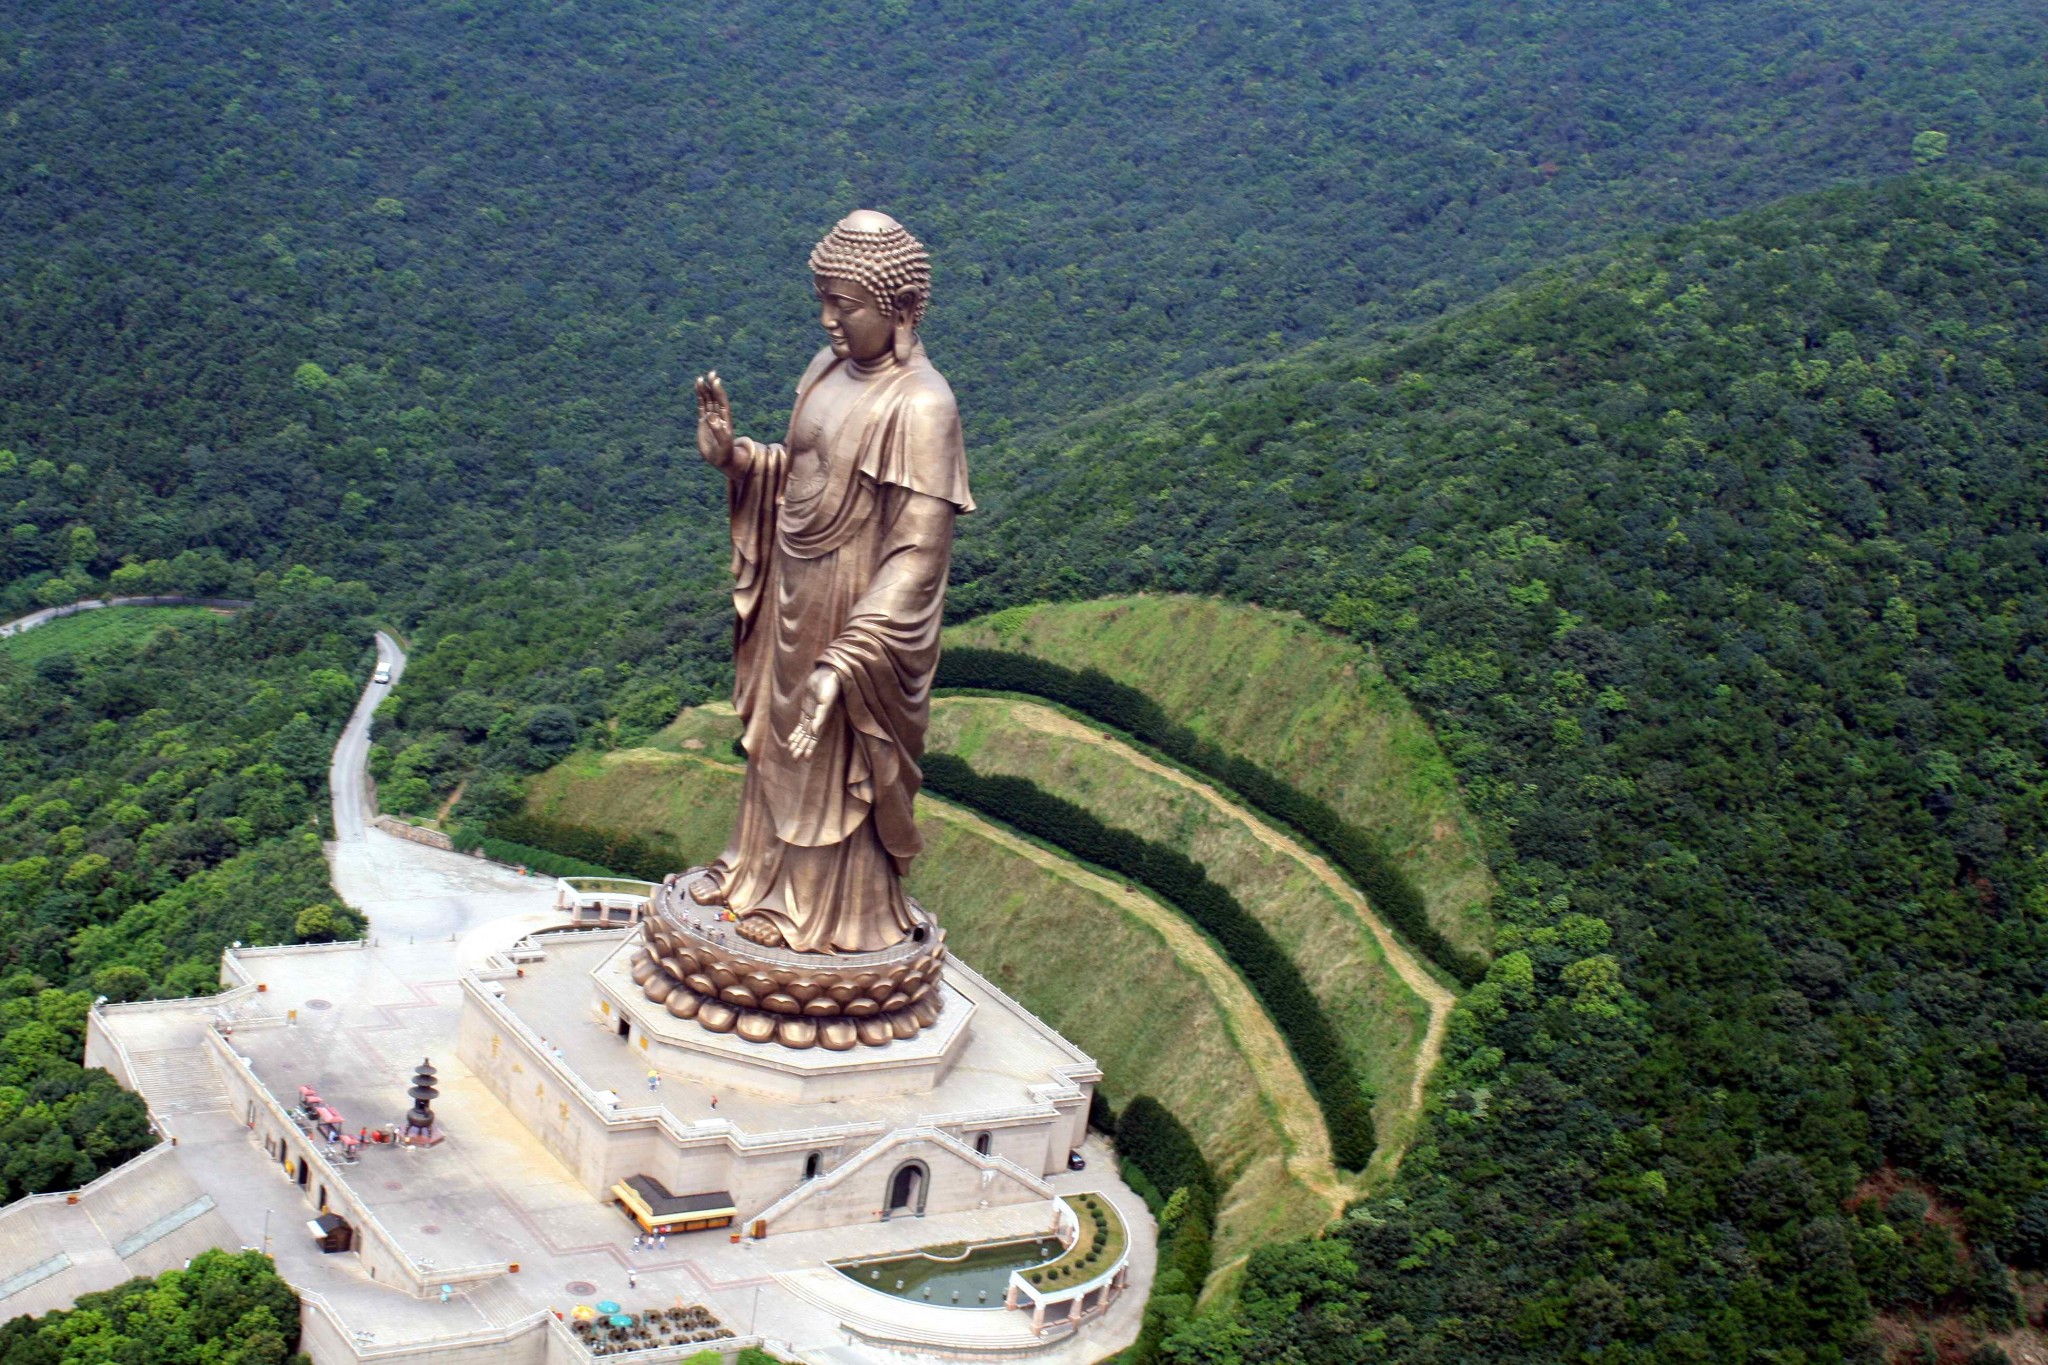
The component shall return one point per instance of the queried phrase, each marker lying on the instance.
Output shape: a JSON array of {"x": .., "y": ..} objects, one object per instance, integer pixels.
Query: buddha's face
[{"x": 852, "y": 318}]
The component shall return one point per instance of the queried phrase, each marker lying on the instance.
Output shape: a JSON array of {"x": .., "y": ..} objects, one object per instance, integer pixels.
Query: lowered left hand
[{"x": 821, "y": 693}]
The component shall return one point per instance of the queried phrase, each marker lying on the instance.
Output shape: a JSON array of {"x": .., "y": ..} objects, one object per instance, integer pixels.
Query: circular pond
[{"x": 952, "y": 1277}]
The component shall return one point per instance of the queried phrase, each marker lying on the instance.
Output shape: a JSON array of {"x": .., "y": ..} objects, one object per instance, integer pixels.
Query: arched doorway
[
  {"x": 981, "y": 1143},
  {"x": 907, "y": 1190},
  {"x": 811, "y": 1165}
]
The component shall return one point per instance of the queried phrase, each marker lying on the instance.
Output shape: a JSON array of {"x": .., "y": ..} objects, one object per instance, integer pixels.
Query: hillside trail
[
  {"x": 1048, "y": 721},
  {"x": 1280, "y": 1078}
]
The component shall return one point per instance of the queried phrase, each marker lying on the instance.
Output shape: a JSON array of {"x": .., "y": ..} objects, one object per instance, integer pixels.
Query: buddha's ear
[{"x": 905, "y": 334}]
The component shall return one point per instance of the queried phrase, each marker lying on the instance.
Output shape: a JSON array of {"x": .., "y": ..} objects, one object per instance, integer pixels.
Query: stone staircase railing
[{"x": 833, "y": 1178}]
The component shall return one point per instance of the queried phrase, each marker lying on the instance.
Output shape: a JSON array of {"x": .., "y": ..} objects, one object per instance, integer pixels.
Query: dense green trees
[
  {"x": 60, "y": 1125},
  {"x": 225, "y": 1308},
  {"x": 1716, "y": 562},
  {"x": 1719, "y": 567},
  {"x": 160, "y": 796},
  {"x": 411, "y": 295},
  {"x": 1162, "y": 1163}
]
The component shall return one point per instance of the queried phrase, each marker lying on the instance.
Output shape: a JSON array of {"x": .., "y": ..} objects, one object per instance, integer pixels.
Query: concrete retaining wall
[
  {"x": 380, "y": 1256},
  {"x": 432, "y": 838}
]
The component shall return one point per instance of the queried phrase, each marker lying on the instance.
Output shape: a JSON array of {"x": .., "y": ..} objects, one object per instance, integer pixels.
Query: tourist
[
  {"x": 654, "y": 1080},
  {"x": 661, "y": 1241}
]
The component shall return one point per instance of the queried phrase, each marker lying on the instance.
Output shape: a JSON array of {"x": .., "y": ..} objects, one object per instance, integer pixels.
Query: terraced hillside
[
  {"x": 1308, "y": 707},
  {"x": 1172, "y": 1020},
  {"x": 1382, "y": 1018}
]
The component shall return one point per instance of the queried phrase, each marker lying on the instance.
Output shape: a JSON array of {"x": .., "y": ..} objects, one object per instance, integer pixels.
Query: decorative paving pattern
[
  {"x": 582, "y": 1289},
  {"x": 163, "y": 1227},
  {"x": 35, "y": 1274},
  {"x": 319, "y": 1004}
]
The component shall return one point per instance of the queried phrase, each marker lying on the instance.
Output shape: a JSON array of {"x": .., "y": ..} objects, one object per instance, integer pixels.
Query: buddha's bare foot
[
  {"x": 759, "y": 929},
  {"x": 705, "y": 889}
]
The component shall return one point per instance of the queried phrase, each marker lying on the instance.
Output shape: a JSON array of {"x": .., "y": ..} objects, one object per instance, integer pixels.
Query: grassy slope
[
  {"x": 1154, "y": 1024},
  {"x": 93, "y": 630},
  {"x": 1380, "y": 1018},
  {"x": 1314, "y": 709}
]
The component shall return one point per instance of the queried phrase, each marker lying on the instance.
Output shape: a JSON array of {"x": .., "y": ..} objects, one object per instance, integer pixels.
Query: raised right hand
[{"x": 714, "y": 420}]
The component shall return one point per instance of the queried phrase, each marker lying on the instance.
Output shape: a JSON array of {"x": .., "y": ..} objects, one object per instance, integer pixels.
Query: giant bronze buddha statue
[{"x": 842, "y": 535}]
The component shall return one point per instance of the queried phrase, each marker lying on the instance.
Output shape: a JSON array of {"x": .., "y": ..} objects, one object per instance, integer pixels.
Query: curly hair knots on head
[{"x": 877, "y": 252}]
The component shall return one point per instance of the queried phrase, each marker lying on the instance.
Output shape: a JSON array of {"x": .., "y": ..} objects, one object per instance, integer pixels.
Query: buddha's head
[{"x": 873, "y": 280}]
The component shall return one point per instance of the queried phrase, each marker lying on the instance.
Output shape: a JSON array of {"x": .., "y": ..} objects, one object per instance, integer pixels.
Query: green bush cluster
[
  {"x": 223, "y": 1308},
  {"x": 1094, "y": 693},
  {"x": 1161, "y": 1161},
  {"x": 539, "y": 860},
  {"x": 60, "y": 1124},
  {"x": 1072, "y": 1269},
  {"x": 1271, "y": 974},
  {"x": 631, "y": 854}
]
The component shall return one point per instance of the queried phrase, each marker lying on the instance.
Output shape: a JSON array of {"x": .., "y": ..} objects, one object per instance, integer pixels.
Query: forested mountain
[
  {"x": 1715, "y": 556},
  {"x": 409, "y": 293},
  {"x": 1719, "y": 565}
]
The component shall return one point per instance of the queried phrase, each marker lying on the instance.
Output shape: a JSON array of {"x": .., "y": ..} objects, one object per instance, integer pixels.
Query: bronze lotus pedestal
[{"x": 692, "y": 963}]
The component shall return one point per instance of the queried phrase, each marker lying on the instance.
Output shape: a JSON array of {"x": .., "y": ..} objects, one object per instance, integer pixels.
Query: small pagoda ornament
[{"x": 421, "y": 1128}]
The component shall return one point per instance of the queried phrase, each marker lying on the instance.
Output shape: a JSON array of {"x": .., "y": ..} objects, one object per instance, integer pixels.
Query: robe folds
[{"x": 842, "y": 537}]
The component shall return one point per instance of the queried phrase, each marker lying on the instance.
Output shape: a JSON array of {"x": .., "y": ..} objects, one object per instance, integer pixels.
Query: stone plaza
[{"x": 469, "y": 1249}]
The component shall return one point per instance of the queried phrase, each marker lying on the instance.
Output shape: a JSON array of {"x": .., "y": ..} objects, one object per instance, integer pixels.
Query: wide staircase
[
  {"x": 498, "y": 1302},
  {"x": 27, "y": 1255},
  {"x": 178, "y": 1080}
]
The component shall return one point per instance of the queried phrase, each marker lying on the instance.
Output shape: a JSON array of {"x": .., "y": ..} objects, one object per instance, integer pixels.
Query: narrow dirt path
[
  {"x": 1048, "y": 721},
  {"x": 1265, "y": 1050}
]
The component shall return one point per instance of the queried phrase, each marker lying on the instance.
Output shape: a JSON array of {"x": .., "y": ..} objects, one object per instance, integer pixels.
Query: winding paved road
[
  {"x": 348, "y": 771},
  {"x": 411, "y": 892}
]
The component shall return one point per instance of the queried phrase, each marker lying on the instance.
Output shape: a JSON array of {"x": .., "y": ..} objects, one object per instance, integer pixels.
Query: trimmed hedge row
[
  {"x": 1094, "y": 693},
  {"x": 1158, "y": 1154},
  {"x": 1271, "y": 974},
  {"x": 632, "y": 855},
  {"x": 539, "y": 859}
]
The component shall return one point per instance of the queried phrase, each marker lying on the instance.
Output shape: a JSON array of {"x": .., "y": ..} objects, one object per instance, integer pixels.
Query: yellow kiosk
[{"x": 648, "y": 1203}]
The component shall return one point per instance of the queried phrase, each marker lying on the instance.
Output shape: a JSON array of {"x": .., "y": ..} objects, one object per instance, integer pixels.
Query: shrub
[
  {"x": 541, "y": 860},
  {"x": 631, "y": 854}
]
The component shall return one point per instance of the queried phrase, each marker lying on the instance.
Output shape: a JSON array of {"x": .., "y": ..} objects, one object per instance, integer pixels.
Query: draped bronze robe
[{"x": 845, "y": 565}]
